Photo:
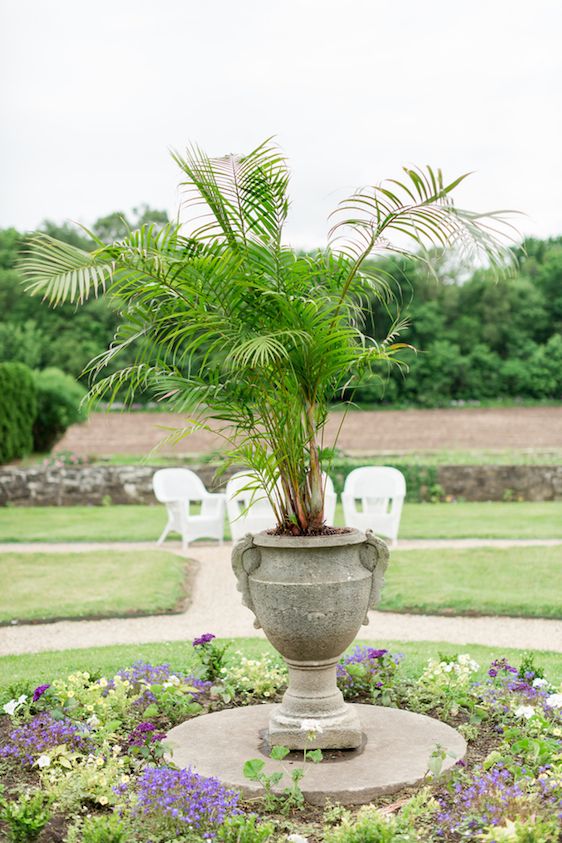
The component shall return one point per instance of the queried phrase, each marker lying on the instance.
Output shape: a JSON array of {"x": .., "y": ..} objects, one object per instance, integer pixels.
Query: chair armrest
[{"x": 213, "y": 502}]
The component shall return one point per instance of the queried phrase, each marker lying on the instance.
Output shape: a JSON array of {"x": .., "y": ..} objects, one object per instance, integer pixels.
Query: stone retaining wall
[{"x": 97, "y": 485}]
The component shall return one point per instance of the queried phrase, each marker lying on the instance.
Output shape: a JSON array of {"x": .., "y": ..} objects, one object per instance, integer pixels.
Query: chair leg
[{"x": 165, "y": 532}]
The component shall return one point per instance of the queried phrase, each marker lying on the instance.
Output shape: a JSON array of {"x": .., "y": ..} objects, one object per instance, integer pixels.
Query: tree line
[{"x": 473, "y": 337}]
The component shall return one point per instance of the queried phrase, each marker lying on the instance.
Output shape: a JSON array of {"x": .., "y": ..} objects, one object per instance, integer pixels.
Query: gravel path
[{"x": 216, "y": 608}]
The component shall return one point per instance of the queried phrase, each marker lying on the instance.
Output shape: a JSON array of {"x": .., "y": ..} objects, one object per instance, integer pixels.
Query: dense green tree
[
  {"x": 492, "y": 339},
  {"x": 42, "y": 336}
]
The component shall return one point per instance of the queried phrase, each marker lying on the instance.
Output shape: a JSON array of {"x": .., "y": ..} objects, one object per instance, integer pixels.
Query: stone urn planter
[{"x": 310, "y": 594}]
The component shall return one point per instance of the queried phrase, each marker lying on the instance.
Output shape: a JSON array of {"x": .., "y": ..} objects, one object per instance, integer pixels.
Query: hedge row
[{"x": 35, "y": 409}]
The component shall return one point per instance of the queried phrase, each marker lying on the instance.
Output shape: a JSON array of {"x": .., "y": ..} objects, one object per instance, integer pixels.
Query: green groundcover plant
[
  {"x": 241, "y": 333},
  {"x": 84, "y": 757}
]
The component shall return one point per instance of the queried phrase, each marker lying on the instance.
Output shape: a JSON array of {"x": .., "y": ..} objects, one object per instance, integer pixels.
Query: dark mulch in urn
[{"x": 298, "y": 534}]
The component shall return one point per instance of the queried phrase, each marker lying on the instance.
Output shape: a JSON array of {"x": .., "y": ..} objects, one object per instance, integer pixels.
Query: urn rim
[{"x": 353, "y": 536}]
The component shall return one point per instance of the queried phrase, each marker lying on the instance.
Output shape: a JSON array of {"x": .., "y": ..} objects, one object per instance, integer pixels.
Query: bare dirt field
[{"x": 364, "y": 432}]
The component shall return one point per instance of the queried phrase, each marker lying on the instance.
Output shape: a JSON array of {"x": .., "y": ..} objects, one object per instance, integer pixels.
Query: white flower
[
  {"x": 12, "y": 706},
  {"x": 297, "y": 838},
  {"x": 539, "y": 683},
  {"x": 312, "y": 726},
  {"x": 526, "y": 711},
  {"x": 554, "y": 701},
  {"x": 43, "y": 761},
  {"x": 93, "y": 721}
]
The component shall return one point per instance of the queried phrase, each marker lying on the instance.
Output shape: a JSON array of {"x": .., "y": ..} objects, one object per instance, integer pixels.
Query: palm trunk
[{"x": 315, "y": 485}]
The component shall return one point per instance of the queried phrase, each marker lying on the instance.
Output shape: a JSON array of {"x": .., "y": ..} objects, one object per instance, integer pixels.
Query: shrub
[
  {"x": 26, "y": 817},
  {"x": 18, "y": 407},
  {"x": 105, "y": 828},
  {"x": 58, "y": 400},
  {"x": 370, "y": 826},
  {"x": 245, "y": 829}
]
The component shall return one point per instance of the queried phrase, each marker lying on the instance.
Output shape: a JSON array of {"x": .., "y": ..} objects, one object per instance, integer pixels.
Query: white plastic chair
[
  {"x": 380, "y": 490},
  {"x": 248, "y": 511},
  {"x": 244, "y": 518},
  {"x": 178, "y": 488},
  {"x": 330, "y": 500}
]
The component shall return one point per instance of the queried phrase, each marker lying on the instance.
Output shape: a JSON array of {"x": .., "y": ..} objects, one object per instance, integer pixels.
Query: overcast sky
[{"x": 94, "y": 95}]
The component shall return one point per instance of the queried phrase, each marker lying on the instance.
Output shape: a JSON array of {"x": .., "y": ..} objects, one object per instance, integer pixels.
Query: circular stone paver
[{"x": 395, "y": 753}]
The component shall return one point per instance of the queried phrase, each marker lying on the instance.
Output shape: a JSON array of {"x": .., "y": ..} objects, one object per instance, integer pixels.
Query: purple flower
[
  {"x": 366, "y": 671},
  {"x": 39, "y": 691},
  {"x": 163, "y": 796},
  {"x": 145, "y": 733},
  {"x": 206, "y": 638},
  {"x": 482, "y": 799},
  {"x": 26, "y": 743},
  {"x": 143, "y": 674}
]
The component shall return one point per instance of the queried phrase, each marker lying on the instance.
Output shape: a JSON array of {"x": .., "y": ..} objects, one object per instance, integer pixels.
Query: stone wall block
[{"x": 95, "y": 485}]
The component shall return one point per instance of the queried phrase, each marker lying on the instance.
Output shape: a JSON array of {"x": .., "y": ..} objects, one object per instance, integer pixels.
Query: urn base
[
  {"x": 313, "y": 714},
  {"x": 340, "y": 731}
]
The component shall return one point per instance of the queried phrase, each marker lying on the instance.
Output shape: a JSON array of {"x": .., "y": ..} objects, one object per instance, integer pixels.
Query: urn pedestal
[{"x": 311, "y": 595}]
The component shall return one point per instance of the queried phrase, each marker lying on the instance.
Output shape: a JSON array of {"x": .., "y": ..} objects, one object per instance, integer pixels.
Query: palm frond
[
  {"x": 419, "y": 210},
  {"x": 61, "y": 272},
  {"x": 242, "y": 198}
]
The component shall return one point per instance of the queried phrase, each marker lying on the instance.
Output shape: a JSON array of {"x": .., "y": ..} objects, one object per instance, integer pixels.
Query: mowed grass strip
[
  {"x": 540, "y": 520},
  {"x": 45, "y": 586},
  {"x": 525, "y": 520},
  {"x": 517, "y": 581},
  {"x": 36, "y": 668}
]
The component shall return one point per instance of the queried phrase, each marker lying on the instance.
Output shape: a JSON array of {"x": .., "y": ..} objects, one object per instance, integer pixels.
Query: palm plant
[{"x": 240, "y": 333}]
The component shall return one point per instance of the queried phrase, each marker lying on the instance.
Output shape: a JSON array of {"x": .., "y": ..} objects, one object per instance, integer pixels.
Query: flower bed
[{"x": 83, "y": 760}]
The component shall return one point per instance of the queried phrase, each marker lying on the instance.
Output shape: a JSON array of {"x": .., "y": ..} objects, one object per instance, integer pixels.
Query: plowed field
[{"x": 364, "y": 432}]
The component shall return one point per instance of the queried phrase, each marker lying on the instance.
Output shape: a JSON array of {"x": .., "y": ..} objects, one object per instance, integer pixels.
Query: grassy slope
[
  {"x": 74, "y": 585},
  {"x": 145, "y": 523},
  {"x": 43, "y": 667},
  {"x": 525, "y": 581},
  {"x": 482, "y": 456}
]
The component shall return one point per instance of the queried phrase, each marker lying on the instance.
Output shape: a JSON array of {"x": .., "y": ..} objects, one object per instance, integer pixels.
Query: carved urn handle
[
  {"x": 374, "y": 557},
  {"x": 246, "y": 559}
]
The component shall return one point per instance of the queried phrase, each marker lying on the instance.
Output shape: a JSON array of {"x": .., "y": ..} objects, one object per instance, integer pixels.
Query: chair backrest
[
  {"x": 237, "y": 494},
  {"x": 330, "y": 499},
  {"x": 248, "y": 510},
  {"x": 172, "y": 484},
  {"x": 375, "y": 485}
]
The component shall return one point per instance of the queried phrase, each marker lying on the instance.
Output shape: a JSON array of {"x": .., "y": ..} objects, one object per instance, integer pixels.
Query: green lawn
[
  {"x": 145, "y": 523},
  {"x": 522, "y": 581},
  {"x": 42, "y": 586},
  {"x": 44, "y": 667},
  {"x": 536, "y": 520}
]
